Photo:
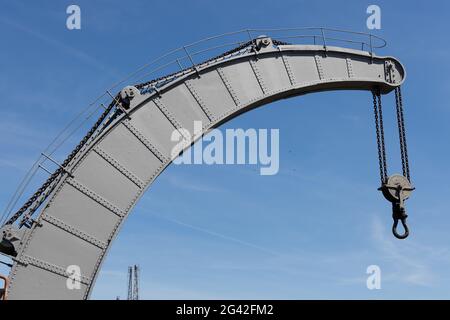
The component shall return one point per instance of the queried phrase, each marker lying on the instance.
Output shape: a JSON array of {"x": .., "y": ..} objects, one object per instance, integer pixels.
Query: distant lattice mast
[
  {"x": 130, "y": 283},
  {"x": 133, "y": 282},
  {"x": 136, "y": 283}
]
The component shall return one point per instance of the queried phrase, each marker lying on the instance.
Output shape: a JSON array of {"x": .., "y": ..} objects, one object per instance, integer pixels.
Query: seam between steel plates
[
  {"x": 349, "y": 68},
  {"x": 288, "y": 68},
  {"x": 29, "y": 260},
  {"x": 228, "y": 86},
  {"x": 169, "y": 115},
  {"x": 74, "y": 231},
  {"x": 97, "y": 198},
  {"x": 113, "y": 162},
  {"x": 318, "y": 60},
  {"x": 190, "y": 86},
  {"x": 258, "y": 75},
  {"x": 135, "y": 131}
]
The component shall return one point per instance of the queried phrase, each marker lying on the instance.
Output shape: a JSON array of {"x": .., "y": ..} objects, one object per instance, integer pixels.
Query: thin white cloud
[
  {"x": 75, "y": 53},
  {"x": 191, "y": 184},
  {"x": 218, "y": 235},
  {"x": 20, "y": 134}
]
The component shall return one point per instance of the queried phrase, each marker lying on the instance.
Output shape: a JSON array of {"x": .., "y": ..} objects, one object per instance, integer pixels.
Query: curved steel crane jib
[{"x": 84, "y": 212}]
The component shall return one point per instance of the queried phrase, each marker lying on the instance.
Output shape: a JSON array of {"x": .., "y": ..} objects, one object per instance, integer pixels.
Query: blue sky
[{"x": 309, "y": 231}]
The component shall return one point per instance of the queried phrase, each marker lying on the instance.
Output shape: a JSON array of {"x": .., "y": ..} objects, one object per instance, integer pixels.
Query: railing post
[
  {"x": 179, "y": 64},
  {"x": 58, "y": 164},
  {"x": 45, "y": 169},
  {"x": 253, "y": 44},
  {"x": 249, "y": 34},
  {"x": 192, "y": 61},
  {"x": 324, "y": 41},
  {"x": 371, "y": 48}
]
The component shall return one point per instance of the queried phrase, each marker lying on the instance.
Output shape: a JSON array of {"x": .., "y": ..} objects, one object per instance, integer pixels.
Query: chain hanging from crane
[{"x": 396, "y": 188}]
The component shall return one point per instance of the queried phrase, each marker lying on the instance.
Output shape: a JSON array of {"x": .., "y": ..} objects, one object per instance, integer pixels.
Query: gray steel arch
[{"x": 85, "y": 212}]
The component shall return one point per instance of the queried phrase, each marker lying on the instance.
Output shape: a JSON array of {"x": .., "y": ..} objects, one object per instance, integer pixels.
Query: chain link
[
  {"x": 402, "y": 132},
  {"x": 377, "y": 109},
  {"x": 383, "y": 148}
]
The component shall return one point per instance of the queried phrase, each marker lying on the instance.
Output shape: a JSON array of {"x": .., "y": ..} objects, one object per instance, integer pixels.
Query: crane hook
[{"x": 399, "y": 213}]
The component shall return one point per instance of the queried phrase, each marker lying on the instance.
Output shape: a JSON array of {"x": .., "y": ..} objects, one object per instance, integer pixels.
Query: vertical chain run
[
  {"x": 377, "y": 109},
  {"x": 383, "y": 148},
  {"x": 398, "y": 209},
  {"x": 402, "y": 132}
]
